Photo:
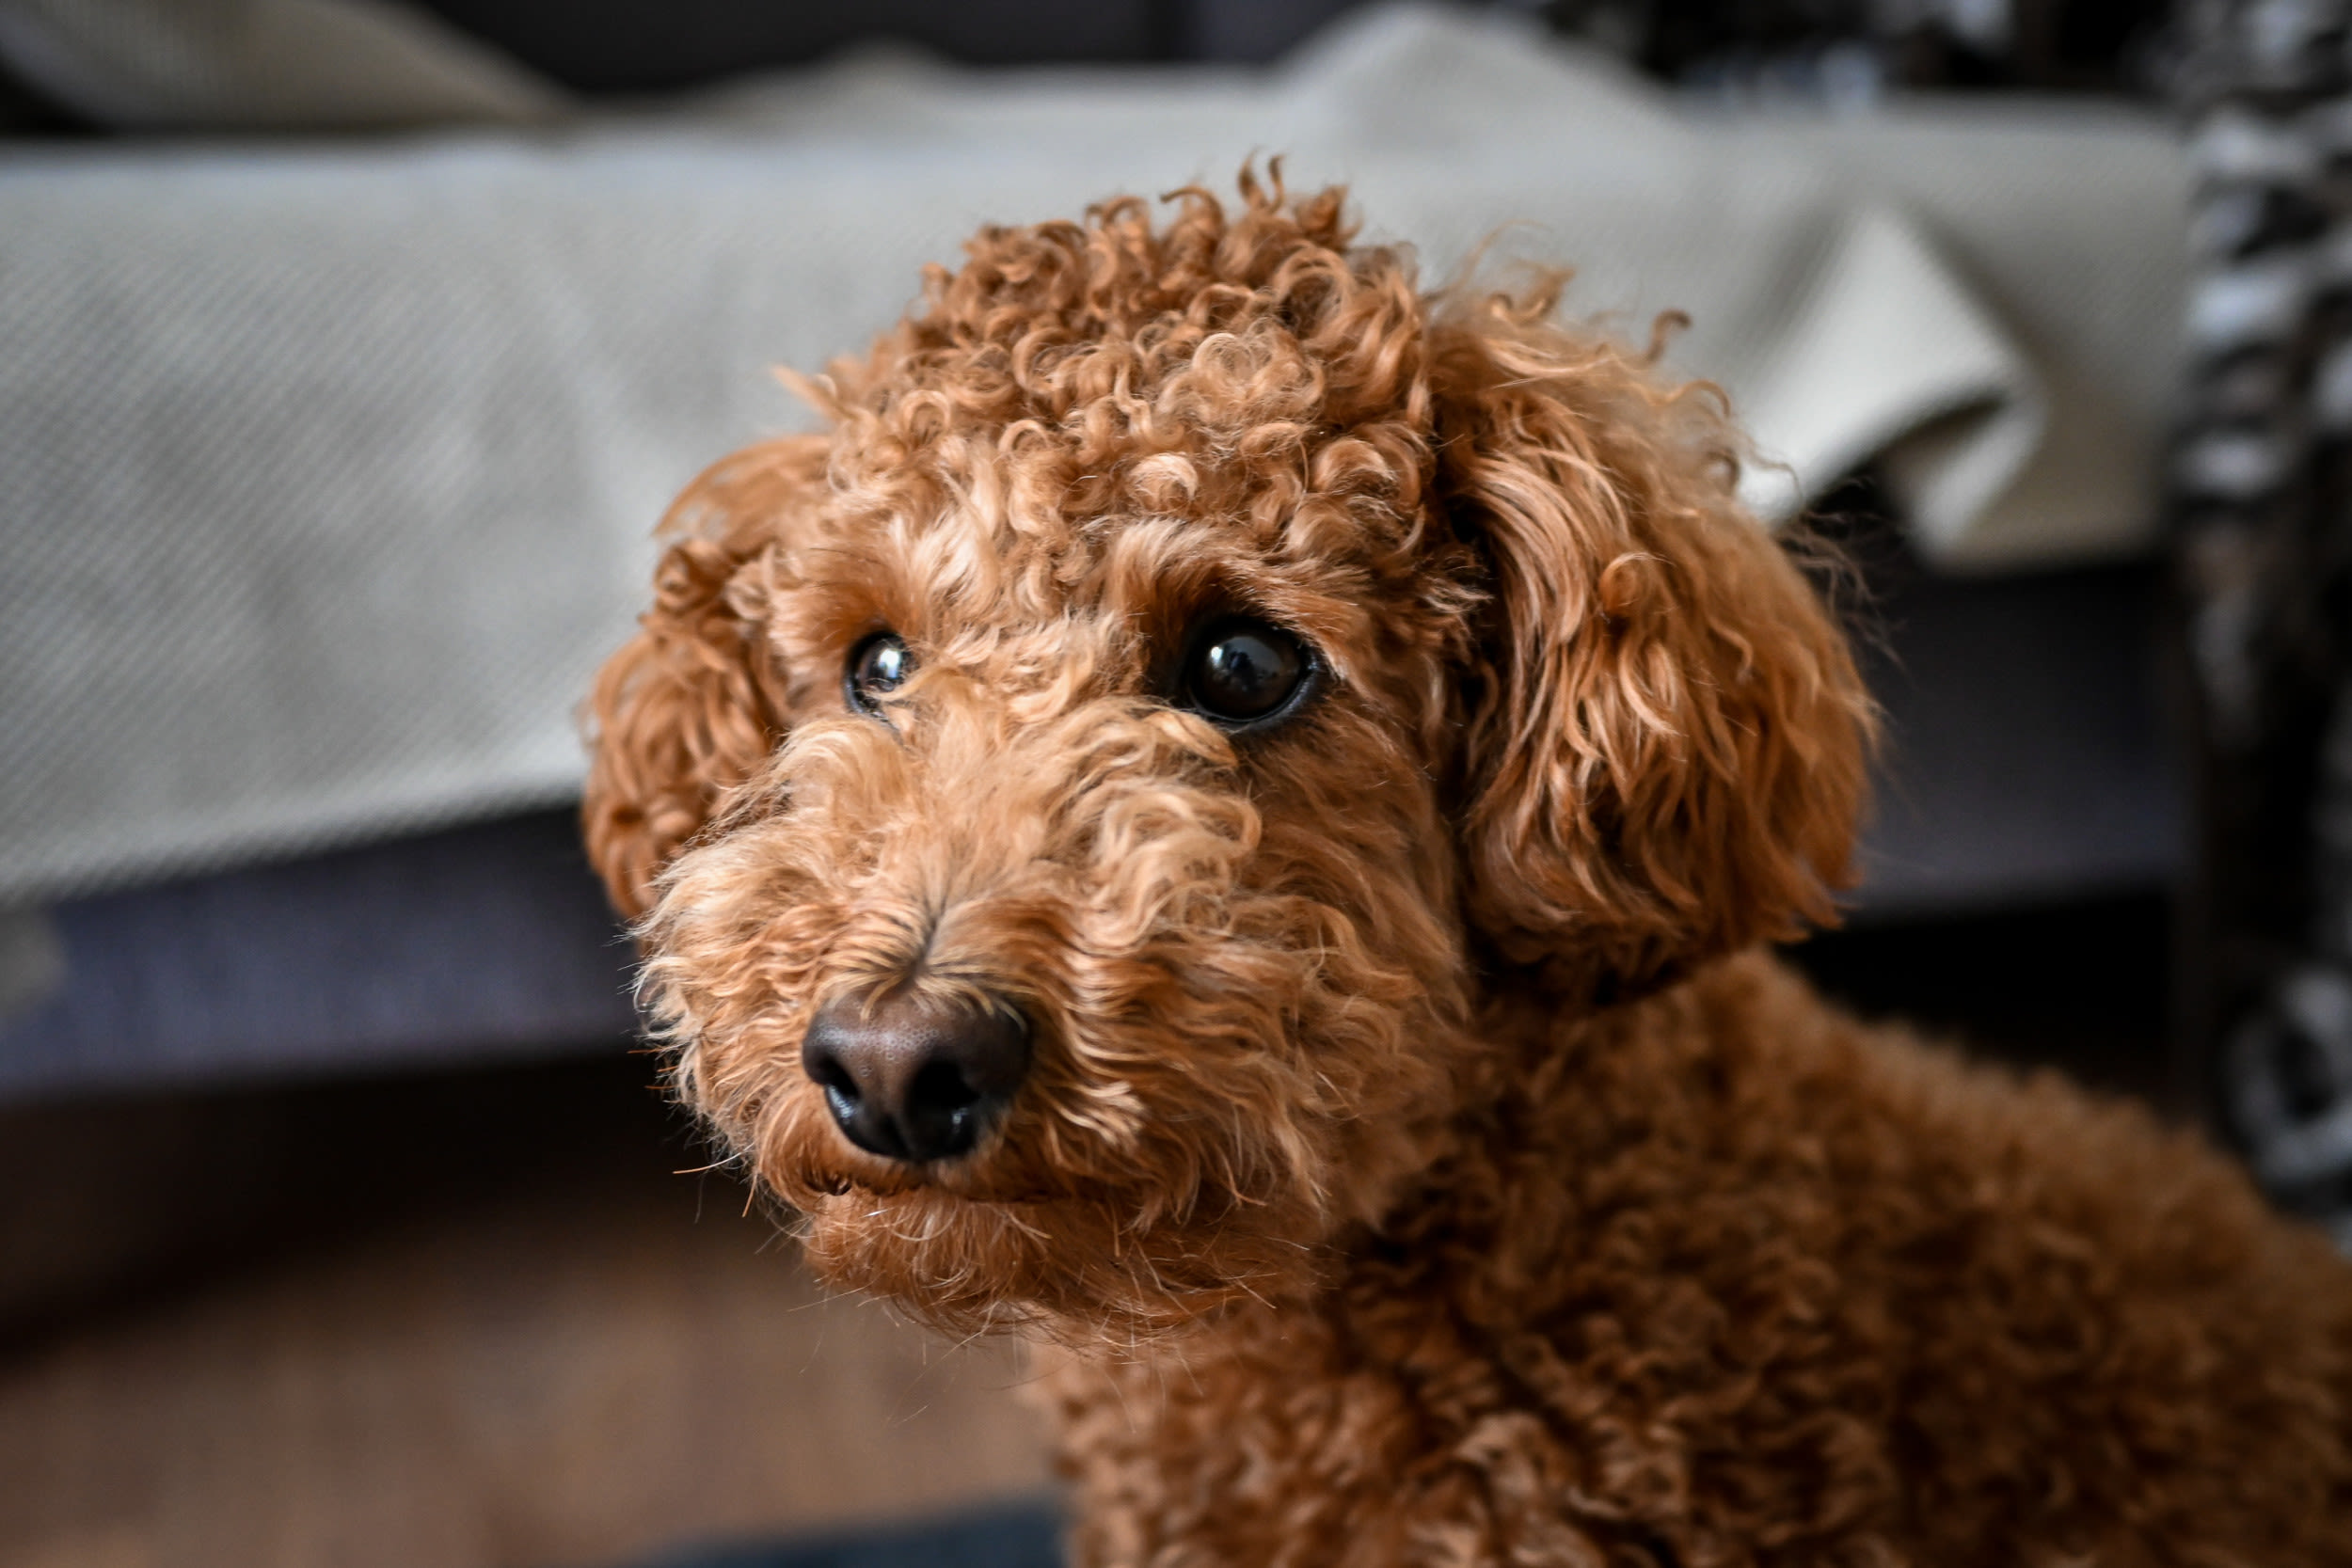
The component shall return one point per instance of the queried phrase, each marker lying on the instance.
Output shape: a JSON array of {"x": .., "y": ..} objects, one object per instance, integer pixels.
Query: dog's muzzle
[{"x": 915, "y": 1080}]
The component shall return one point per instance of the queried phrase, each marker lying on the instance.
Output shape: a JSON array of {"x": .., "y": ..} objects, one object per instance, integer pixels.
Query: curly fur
[{"x": 1418, "y": 1164}]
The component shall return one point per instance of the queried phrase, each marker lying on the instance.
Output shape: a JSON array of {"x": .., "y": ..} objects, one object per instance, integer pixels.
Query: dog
[{"x": 1227, "y": 813}]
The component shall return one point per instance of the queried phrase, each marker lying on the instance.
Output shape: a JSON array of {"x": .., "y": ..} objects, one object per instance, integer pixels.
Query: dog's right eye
[
  {"x": 1242, "y": 673},
  {"x": 877, "y": 667}
]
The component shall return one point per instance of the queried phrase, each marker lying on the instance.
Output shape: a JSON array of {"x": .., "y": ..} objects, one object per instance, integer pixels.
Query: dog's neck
[
  {"x": 1561, "y": 1089},
  {"x": 1555, "y": 1102}
]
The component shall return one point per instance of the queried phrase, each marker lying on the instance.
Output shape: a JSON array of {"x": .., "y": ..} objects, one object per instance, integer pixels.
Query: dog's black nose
[{"x": 915, "y": 1080}]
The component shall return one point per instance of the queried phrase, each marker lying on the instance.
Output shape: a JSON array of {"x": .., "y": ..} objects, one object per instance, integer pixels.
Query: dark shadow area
[
  {"x": 2081, "y": 986},
  {"x": 1791, "y": 46},
  {"x": 2028, "y": 756},
  {"x": 1024, "y": 1535},
  {"x": 634, "y": 46},
  {"x": 116, "y": 1201}
]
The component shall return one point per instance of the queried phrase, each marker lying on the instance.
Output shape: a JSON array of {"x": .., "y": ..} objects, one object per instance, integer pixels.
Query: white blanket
[{"x": 326, "y": 468}]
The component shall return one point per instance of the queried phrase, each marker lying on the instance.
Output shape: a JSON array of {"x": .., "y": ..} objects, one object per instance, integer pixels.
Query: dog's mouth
[
  {"x": 972, "y": 1178},
  {"x": 971, "y": 1254}
]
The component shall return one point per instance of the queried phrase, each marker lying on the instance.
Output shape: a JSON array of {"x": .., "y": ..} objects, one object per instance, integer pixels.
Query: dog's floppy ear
[
  {"x": 1666, "y": 734},
  {"x": 693, "y": 704}
]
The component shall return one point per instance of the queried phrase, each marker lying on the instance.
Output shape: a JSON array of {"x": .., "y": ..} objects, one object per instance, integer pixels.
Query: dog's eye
[
  {"x": 1242, "y": 670},
  {"x": 877, "y": 667}
]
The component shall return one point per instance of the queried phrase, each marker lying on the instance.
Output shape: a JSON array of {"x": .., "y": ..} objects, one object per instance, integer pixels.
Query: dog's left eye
[
  {"x": 876, "y": 668},
  {"x": 1242, "y": 670}
]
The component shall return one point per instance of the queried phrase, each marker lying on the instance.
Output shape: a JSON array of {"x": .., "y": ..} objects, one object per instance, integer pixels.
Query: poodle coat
[{"x": 1415, "y": 1157}]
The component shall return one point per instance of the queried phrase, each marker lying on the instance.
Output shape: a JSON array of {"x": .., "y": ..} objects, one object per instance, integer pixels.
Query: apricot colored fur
[{"x": 1421, "y": 1161}]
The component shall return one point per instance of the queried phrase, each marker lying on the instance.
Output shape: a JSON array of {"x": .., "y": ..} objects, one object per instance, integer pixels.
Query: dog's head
[{"x": 1078, "y": 801}]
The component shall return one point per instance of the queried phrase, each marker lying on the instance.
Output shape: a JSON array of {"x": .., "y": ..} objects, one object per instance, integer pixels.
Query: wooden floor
[{"x": 578, "y": 1359}]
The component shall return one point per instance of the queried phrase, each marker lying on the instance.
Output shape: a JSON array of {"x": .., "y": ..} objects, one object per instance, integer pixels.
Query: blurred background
[{"x": 349, "y": 351}]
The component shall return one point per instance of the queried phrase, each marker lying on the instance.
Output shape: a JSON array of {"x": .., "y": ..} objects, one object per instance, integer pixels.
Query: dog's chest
[{"x": 1302, "y": 1444}]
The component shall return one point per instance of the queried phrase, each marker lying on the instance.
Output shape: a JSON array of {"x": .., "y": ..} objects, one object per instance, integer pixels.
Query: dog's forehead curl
[{"x": 1070, "y": 388}]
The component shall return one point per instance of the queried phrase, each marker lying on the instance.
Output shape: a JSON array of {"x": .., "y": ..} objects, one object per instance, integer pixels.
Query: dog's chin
[{"x": 967, "y": 1252}]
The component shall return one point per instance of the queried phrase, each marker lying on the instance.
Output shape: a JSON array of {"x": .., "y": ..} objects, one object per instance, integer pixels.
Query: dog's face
[{"x": 1078, "y": 800}]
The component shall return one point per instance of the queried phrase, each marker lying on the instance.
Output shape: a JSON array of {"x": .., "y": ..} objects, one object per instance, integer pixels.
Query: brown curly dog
[{"x": 1223, "y": 812}]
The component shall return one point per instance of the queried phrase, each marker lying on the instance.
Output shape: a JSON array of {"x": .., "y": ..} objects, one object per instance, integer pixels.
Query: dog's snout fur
[
  {"x": 916, "y": 1079},
  {"x": 1411, "y": 1145}
]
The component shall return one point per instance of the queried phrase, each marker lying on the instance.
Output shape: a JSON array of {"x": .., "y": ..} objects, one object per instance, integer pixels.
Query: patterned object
[{"x": 2263, "y": 484}]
